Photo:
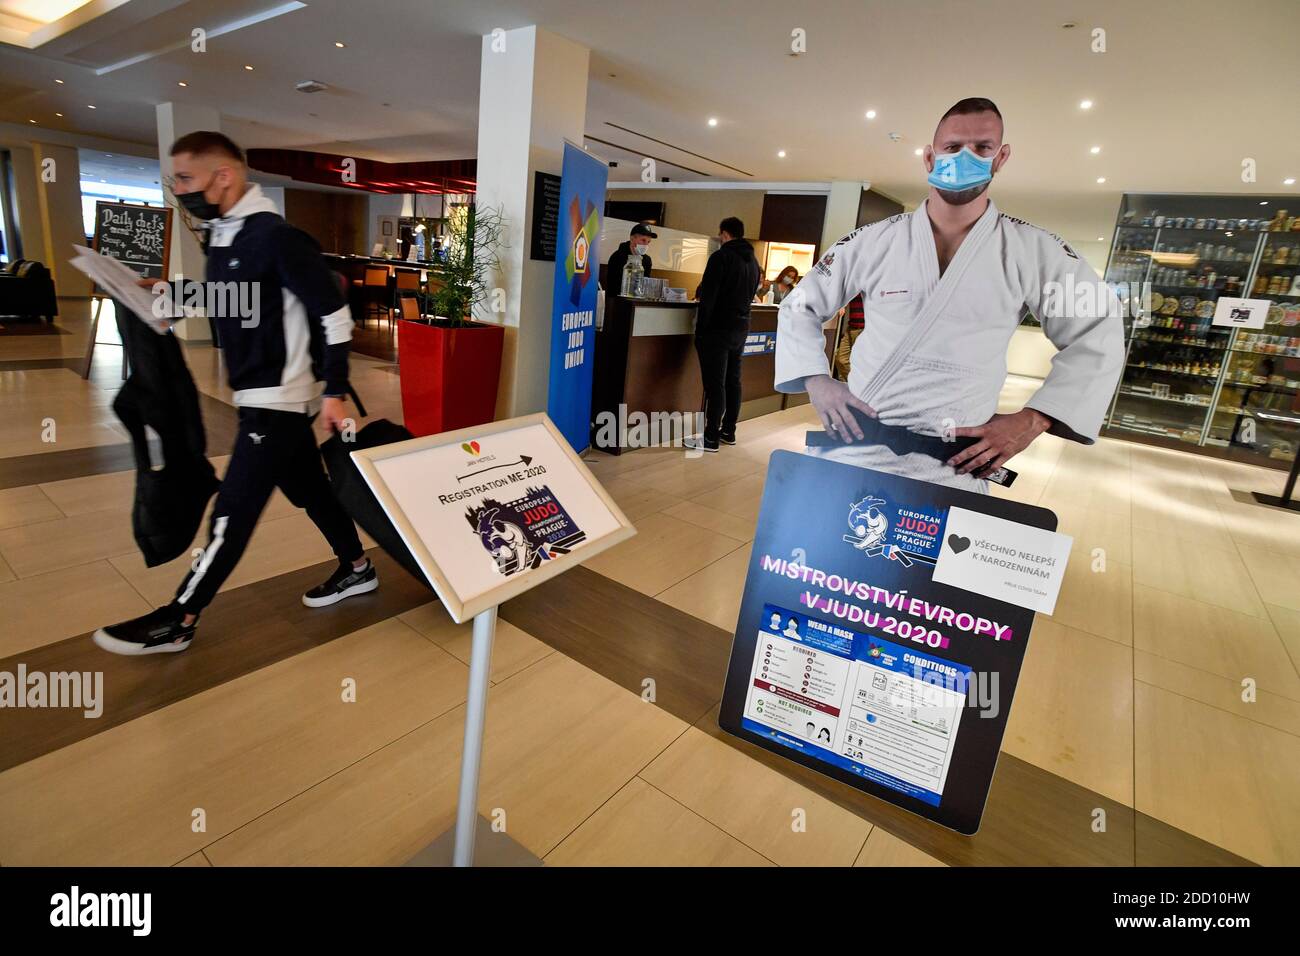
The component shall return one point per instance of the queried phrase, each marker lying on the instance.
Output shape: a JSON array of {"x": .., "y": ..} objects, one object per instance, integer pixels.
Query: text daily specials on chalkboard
[{"x": 135, "y": 235}]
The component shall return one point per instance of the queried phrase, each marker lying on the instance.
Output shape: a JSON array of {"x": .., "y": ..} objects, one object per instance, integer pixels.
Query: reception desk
[{"x": 645, "y": 362}]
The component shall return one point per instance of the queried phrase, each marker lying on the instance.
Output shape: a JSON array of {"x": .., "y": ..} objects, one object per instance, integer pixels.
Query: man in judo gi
[{"x": 944, "y": 288}]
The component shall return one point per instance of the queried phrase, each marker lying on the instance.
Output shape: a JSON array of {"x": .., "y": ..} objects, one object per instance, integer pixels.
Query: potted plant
[{"x": 450, "y": 364}]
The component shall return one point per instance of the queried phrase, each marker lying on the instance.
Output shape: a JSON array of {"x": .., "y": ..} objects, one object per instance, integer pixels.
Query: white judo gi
[{"x": 933, "y": 354}]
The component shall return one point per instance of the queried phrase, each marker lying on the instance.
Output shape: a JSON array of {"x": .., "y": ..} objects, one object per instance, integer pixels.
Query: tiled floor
[{"x": 1166, "y": 681}]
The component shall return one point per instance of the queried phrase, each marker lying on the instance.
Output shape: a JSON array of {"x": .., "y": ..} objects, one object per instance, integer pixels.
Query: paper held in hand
[{"x": 119, "y": 281}]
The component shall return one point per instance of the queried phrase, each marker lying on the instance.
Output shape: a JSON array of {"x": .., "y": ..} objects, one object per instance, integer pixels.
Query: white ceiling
[{"x": 1185, "y": 91}]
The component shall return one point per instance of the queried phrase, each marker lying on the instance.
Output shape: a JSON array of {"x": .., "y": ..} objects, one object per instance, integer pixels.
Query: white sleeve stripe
[{"x": 338, "y": 326}]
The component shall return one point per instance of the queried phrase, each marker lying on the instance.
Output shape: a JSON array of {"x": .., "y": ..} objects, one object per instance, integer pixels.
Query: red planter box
[{"x": 449, "y": 375}]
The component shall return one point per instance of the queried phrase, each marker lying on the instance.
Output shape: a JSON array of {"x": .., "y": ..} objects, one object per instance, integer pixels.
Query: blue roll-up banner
[{"x": 573, "y": 301}]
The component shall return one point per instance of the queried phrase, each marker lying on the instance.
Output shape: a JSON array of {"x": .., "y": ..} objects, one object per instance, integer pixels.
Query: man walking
[
  {"x": 284, "y": 367},
  {"x": 721, "y": 324}
]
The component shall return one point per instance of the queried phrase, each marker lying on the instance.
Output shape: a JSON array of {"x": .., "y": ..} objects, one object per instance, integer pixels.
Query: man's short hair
[
  {"x": 206, "y": 142},
  {"x": 972, "y": 104},
  {"x": 732, "y": 227}
]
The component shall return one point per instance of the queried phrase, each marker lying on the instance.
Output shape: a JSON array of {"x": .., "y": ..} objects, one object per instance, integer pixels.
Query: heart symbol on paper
[
  {"x": 958, "y": 543},
  {"x": 471, "y": 446}
]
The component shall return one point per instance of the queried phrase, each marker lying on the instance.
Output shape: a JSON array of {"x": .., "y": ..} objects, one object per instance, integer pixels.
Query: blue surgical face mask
[{"x": 960, "y": 170}]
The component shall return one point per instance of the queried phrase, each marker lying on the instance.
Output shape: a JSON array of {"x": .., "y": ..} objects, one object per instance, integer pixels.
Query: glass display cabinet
[{"x": 1188, "y": 383}]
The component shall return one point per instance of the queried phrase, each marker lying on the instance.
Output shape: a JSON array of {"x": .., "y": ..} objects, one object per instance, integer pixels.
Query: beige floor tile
[
  {"x": 636, "y": 499},
  {"x": 690, "y": 477},
  {"x": 1213, "y": 639},
  {"x": 561, "y": 740},
  {"x": 756, "y": 804},
  {"x": 1108, "y": 530},
  {"x": 713, "y": 593},
  {"x": 33, "y": 549},
  {"x": 1230, "y": 781},
  {"x": 1203, "y": 574},
  {"x": 742, "y": 497},
  {"x": 512, "y": 649},
  {"x": 79, "y": 496},
  {"x": 665, "y": 550},
  {"x": 713, "y": 520},
  {"x": 1099, "y": 602},
  {"x": 126, "y": 796},
  {"x": 1287, "y": 623},
  {"x": 6, "y": 572},
  {"x": 885, "y": 849},
  {"x": 26, "y": 505},
  {"x": 640, "y": 826},
  {"x": 197, "y": 859},
  {"x": 37, "y": 610},
  {"x": 1073, "y": 710},
  {"x": 1226, "y": 693},
  {"x": 1277, "y": 576}
]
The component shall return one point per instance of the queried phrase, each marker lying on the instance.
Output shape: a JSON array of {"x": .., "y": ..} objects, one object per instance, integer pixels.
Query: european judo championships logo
[{"x": 577, "y": 262}]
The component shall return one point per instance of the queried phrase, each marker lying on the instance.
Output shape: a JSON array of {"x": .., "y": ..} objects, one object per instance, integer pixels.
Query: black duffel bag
[{"x": 355, "y": 496}]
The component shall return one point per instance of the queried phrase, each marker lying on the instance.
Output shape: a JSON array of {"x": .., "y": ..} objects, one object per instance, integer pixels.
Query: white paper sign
[
  {"x": 1241, "y": 313},
  {"x": 1003, "y": 560},
  {"x": 490, "y": 512}
]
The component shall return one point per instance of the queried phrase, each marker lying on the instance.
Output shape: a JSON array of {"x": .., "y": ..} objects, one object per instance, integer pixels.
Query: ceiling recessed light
[
  {"x": 918, "y": 151},
  {"x": 1228, "y": 234},
  {"x": 1289, "y": 181},
  {"x": 1095, "y": 150},
  {"x": 871, "y": 114},
  {"x": 181, "y": 83},
  {"x": 247, "y": 67},
  {"x": 340, "y": 44},
  {"x": 1085, "y": 105},
  {"x": 1264, "y": 203},
  {"x": 31, "y": 121},
  {"x": 713, "y": 121},
  {"x": 1101, "y": 179},
  {"x": 108, "y": 155},
  {"x": 1101, "y": 238},
  {"x": 780, "y": 153},
  {"x": 91, "y": 106},
  {"x": 58, "y": 114},
  {"x": 60, "y": 82}
]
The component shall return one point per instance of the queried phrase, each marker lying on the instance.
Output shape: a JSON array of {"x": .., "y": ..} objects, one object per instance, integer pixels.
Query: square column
[{"x": 532, "y": 97}]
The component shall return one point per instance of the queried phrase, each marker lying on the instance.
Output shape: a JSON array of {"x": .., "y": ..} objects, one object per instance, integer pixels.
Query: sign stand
[
  {"x": 457, "y": 846},
  {"x": 482, "y": 534}
]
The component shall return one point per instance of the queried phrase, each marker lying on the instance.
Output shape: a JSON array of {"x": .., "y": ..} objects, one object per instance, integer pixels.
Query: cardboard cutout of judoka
[{"x": 944, "y": 289}]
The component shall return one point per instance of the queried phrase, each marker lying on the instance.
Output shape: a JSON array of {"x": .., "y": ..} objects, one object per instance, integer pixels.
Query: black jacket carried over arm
[
  {"x": 617, "y": 262},
  {"x": 727, "y": 289},
  {"x": 160, "y": 394}
]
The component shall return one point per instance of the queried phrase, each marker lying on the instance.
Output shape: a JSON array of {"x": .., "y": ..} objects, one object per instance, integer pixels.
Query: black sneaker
[
  {"x": 343, "y": 583},
  {"x": 158, "y": 632},
  {"x": 699, "y": 443},
  {"x": 727, "y": 439}
]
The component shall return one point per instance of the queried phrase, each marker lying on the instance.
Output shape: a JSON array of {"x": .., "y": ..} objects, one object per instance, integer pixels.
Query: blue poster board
[
  {"x": 573, "y": 301},
  {"x": 851, "y": 658}
]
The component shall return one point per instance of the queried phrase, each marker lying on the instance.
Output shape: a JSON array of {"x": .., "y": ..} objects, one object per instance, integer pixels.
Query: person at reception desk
[
  {"x": 784, "y": 284},
  {"x": 637, "y": 244},
  {"x": 721, "y": 324},
  {"x": 944, "y": 289}
]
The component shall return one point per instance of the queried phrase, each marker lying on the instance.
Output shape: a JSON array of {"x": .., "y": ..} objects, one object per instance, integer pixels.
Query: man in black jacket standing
[
  {"x": 286, "y": 360},
  {"x": 721, "y": 324},
  {"x": 637, "y": 244}
]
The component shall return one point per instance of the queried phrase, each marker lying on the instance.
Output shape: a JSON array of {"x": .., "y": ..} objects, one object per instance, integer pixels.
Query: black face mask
[{"x": 197, "y": 206}]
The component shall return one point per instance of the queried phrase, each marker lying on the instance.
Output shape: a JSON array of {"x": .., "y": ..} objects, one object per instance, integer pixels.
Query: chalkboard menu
[
  {"x": 136, "y": 235},
  {"x": 546, "y": 215}
]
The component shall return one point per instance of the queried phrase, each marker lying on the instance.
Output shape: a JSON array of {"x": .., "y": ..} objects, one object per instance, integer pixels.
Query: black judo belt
[{"x": 902, "y": 441}]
